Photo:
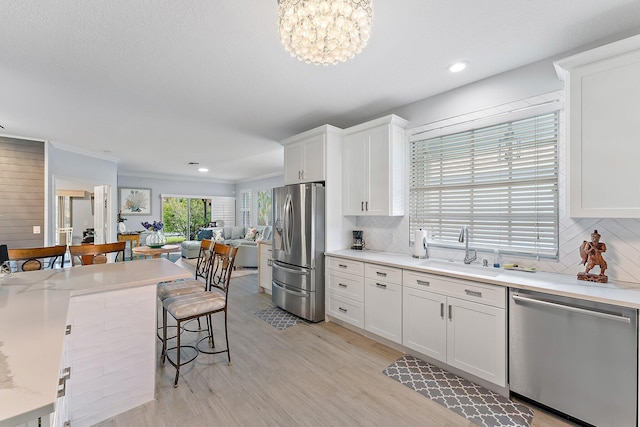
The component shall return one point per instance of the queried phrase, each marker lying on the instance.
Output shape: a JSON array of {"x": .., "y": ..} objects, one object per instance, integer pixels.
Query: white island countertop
[
  {"x": 33, "y": 316},
  {"x": 625, "y": 294}
]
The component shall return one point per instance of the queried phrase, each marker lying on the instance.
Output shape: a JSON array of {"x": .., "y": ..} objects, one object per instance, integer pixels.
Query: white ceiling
[{"x": 159, "y": 83}]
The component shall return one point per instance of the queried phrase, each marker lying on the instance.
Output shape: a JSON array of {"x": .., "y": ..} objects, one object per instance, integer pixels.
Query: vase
[
  {"x": 121, "y": 227},
  {"x": 156, "y": 239}
]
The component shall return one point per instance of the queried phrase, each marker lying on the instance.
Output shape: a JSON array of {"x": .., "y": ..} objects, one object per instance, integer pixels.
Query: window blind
[
  {"x": 223, "y": 208},
  {"x": 501, "y": 181}
]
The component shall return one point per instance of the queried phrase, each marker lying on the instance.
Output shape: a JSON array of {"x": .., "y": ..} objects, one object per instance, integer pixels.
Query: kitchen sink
[{"x": 455, "y": 267}]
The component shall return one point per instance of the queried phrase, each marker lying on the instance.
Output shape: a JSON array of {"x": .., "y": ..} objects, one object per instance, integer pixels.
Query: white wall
[
  {"x": 169, "y": 185},
  {"x": 265, "y": 184}
]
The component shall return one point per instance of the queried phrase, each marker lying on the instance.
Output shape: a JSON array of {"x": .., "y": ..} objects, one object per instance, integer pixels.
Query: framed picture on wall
[
  {"x": 264, "y": 207},
  {"x": 135, "y": 201}
]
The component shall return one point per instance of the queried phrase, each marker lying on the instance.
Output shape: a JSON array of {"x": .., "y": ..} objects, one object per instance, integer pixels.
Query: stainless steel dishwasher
[{"x": 574, "y": 356}]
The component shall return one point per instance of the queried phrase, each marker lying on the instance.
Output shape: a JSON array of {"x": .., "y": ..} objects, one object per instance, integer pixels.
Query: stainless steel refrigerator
[{"x": 298, "y": 250}]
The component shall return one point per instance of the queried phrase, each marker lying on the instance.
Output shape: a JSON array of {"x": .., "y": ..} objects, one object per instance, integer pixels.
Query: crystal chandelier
[{"x": 324, "y": 31}]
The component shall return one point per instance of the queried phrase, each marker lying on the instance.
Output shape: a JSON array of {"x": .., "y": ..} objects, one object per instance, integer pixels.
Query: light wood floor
[{"x": 306, "y": 375}]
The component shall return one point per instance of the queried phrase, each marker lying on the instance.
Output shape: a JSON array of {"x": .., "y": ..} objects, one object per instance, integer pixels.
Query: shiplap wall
[{"x": 21, "y": 192}]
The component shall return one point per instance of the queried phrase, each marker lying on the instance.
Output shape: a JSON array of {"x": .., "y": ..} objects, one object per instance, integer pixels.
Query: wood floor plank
[{"x": 306, "y": 375}]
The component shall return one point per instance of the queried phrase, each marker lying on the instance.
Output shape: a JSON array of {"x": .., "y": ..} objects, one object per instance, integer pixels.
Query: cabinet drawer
[
  {"x": 346, "y": 310},
  {"x": 346, "y": 266},
  {"x": 463, "y": 289},
  {"x": 386, "y": 274},
  {"x": 346, "y": 285},
  {"x": 481, "y": 293},
  {"x": 426, "y": 281}
]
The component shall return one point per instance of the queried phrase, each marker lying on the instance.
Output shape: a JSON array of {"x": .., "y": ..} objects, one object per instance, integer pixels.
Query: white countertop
[
  {"x": 619, "y": 293},
  {"x": 33, "y": 317}
]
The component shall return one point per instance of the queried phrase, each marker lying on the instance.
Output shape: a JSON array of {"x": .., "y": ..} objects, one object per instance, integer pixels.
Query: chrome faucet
[{"x": 464, "y": 237}]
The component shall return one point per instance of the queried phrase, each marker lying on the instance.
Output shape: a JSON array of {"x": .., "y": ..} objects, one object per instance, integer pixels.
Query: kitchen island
[{"x": 99, "y": 320}]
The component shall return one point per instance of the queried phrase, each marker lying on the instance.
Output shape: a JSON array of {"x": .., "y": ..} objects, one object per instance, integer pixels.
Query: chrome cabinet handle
[
  {"x": 367, "y": 206},
  {"x": 67, "y": 330},
  {"x": 442, "y": 310},
  {"x": 450, "y": 312},
  {"x": 362, "y": 206},
  {"x": 342, "y": 266},
  {"x": 423, "y": 283},
  {"x": 381, "y": 285},
  {"x": 473, "y": 293},
  {"x": 380, "y": 273},
  {"x": 62, "y": 382},
  {"x": 269, "y": 262},
  {"x": 344, "y": 310},
  {"x": 342, "y": 285}
]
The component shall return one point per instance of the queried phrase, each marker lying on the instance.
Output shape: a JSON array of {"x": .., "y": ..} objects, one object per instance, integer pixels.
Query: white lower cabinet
[
  {"x": 466, "y": 330},
  {"x": 264, "y": 268},
  {"x": 383, "y": 302},
  {"x": 345, "y": 291},
  {"x": 424, "y": 329}
]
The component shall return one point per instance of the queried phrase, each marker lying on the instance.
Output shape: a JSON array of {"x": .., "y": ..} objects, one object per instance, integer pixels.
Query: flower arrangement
[{"x": 154, "y": 226}]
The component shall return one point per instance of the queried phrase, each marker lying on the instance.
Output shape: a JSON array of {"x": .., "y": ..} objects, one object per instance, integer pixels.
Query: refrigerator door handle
[
  {"x": 300, "y": 271},
  {"x": 287, "y": 229},
  {"x": 289, "y": 291}
]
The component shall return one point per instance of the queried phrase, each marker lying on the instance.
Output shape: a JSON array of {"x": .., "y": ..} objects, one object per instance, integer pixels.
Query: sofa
[{"x": 245, "y": 238}]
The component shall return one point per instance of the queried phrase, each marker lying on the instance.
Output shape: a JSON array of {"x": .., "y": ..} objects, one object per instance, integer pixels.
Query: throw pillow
[
  {"x": 205, "y": 233},
  {"x": 237, "y": 232},
  {"x": 251, "y": 234},
  {"x": 218, "y": 237}
]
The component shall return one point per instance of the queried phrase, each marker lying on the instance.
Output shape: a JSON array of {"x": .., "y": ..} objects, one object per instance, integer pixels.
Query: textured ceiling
[{"x": 209, "y": 81}]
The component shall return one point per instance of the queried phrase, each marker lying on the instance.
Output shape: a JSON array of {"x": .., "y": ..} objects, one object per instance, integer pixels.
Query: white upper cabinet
[
  {"x": 304, "y": 159},
  {"x": 373, "y": 168},
  {"x": 603, "y": 88}
]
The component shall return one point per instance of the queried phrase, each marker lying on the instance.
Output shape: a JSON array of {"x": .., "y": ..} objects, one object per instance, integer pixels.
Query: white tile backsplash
[{"x": 622, "y": 236}]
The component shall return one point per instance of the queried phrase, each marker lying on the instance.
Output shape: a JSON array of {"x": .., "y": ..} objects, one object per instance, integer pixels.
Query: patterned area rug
[
  {"x": 278, "y": 318},
  {"x": 475, "y": 403}
]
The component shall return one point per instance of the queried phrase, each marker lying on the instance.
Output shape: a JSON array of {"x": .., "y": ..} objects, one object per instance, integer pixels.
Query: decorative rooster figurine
[{"x": 591, "y": 254}]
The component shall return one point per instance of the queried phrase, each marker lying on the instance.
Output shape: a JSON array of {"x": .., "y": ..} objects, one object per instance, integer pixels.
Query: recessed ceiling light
[
  {"x": 203, "y": 170},
  {"x": 457, "y": 67}
]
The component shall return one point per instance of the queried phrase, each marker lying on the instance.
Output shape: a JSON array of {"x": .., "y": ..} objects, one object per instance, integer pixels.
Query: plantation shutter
[
  {"x": 223, "y": 208},
  {"x": 501, "y": 181}
]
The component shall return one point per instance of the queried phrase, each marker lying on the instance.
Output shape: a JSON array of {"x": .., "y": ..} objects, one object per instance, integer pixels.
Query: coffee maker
[{"x": 358, "y": 241}]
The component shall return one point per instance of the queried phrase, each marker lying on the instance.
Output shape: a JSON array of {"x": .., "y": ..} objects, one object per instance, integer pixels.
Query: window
[
  {"x": 186, "y": 214},
  {"x": 245, "y": 208},
  {"x": 501, "y": 181}
]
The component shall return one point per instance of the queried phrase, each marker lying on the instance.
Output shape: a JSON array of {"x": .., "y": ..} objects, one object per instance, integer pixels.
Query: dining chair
[
  {"x": 214, "y": 299},
  {"x": 29, "y": 259},
  {"x": 178, "y": 287},
  {"x": 173, "y": 288},
  {"x": 95, "y": 253}
]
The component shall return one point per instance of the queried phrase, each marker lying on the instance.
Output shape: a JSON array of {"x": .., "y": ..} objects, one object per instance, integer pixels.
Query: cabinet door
[
  {"x": 377, "y": 172},
  {"x": 424, "y": 325},
  {"x": 383, "y": 309},
  {"x": 476, "y": 339},
  {"x": 265, "y": 271},
  {"x": 353, "y": 174},
  {"x": 313, "y": 161},
  {"x": 293, "y": 155}
]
